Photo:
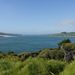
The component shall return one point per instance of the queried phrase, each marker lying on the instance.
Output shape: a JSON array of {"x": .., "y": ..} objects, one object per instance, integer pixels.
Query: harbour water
[{"x": 30, "y": 43}]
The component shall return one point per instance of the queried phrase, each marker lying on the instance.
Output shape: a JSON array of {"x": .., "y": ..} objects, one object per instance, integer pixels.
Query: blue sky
[{"x": 37, "y": 16}]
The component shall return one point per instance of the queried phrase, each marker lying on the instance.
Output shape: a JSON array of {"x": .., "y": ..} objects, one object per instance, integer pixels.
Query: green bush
[
  {"x": 39, "y": 66},
  {"x": 56, "y": 66},
  {"x": 52, "y": 54},
  {"x": 63, "y": 42},
  {"x": 9, "y": 67},
  {"x": 44, "y": 53},
  {"x": 69, "y": 70},
  {"x": 35, "y": 66},
  {"x": 32, "y": 66}
]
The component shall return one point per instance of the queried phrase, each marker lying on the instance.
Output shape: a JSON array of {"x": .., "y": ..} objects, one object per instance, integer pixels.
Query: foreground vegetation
[
  {"x": 32, "y": 66},
  {"x": 58, "y": 61}
]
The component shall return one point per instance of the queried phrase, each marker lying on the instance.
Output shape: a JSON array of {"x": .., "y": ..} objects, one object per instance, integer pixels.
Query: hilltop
[{"x": 63, "y": 34}]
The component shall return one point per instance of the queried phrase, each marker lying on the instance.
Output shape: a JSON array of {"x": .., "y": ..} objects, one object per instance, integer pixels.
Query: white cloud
[{"x": 68, "y": 22}]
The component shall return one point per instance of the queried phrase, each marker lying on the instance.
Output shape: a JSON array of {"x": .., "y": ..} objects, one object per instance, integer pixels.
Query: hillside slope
[{"x": 64, "y": 34}]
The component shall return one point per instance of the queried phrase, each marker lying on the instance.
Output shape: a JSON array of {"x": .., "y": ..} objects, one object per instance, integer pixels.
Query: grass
[
  {"x": 31, "y": 66},
  {"x": 69, "y": 69}
]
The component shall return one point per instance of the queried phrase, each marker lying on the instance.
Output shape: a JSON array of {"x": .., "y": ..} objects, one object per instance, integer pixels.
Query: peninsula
[{"x": 63, "y": 34}]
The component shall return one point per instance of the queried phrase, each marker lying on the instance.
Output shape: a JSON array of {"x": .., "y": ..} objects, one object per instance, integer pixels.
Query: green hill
[{"x": 63, "y": 34}]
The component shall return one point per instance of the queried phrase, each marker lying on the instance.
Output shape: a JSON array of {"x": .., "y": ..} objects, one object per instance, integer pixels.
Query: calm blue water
[{"x": 29, "y": 43}]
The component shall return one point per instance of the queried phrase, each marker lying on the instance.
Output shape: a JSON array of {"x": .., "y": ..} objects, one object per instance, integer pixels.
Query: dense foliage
[
  {"x": 32, "y": 66},
  {"x": 52, "y": 54},
  {"x": 69, "y": 70},
  {"x": 63, "y": 42}
]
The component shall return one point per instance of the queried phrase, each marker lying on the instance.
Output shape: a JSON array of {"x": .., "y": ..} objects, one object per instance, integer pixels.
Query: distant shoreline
[{"x": 61, "y": 36}]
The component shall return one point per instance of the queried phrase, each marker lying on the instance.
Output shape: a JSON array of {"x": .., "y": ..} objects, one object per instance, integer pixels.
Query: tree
[
  {"x": 66, "y": 45},
  {"x": 62, "y": 42}
]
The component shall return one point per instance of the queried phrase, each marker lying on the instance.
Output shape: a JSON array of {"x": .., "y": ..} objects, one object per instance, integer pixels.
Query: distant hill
[
  {"x": 63, "y": 34},
  {"x": 8, "y": 34}
]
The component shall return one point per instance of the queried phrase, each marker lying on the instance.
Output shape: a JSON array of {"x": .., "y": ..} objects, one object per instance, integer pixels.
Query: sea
[{"x": 30, "y": 43}]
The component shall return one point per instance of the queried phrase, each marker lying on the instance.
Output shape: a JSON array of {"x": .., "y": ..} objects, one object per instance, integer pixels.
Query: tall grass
[
  {"x": 32, "y": 66},
  {"x": 70, "y": 69}
]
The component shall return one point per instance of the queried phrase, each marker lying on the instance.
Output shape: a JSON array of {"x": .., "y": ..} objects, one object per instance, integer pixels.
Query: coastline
[{"x": 62, "y": 36}]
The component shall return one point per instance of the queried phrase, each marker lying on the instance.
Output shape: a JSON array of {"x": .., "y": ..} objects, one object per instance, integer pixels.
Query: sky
[{"x": 37, "y": 16}]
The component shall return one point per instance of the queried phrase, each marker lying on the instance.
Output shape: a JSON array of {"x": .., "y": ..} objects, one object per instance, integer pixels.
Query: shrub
[
  {"x": 32, "y": 66},
  {"x": 23, "y": 56},
  {"x": 44, "y": 53},
  {"x": 39, "y": 66},
  {"x": 9, "y": 67},
  {"x": 35, "y": 66},
  {"x": 63, "y": 41},
  {"x": 52, "y": 54},
  {"x": 69, "y": 70},
  {"x": 56, "y": 66}
]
